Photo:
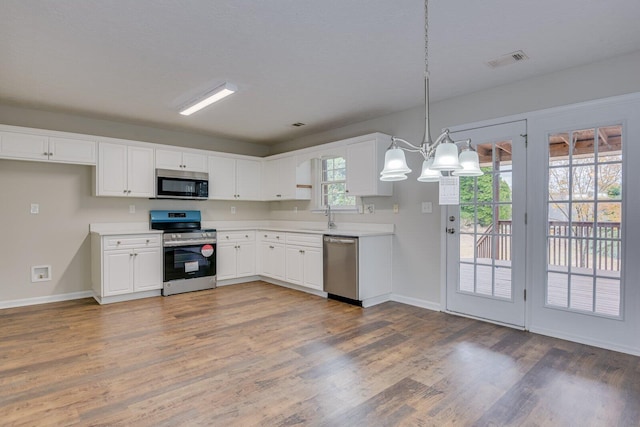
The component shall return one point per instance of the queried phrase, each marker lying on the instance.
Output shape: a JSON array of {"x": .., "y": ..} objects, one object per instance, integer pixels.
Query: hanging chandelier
[{"x": 439, "y": 156}]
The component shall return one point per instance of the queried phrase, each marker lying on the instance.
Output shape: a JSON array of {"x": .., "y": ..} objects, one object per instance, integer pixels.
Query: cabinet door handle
[
  {"x": 301, "y": 251},
  {"x": 118, "y": 242},
  {"x": 227, "y": 237},
  {"x": 246, "y": 236},
  {"x": 125, "y": 191},
  {"x": 148, "y": 240},
  {"x": 271, "y": 247},
  {"x": 51, "y": 154},
  {"x": 45, "y": 154},
  {"x": 131, "y": 254}
]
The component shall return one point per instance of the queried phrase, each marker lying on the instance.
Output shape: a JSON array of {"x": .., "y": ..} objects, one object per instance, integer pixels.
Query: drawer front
[
  {"x": 303, "y": 239},
  {"x": 132, "y": 241},
  {"x": 236, "y": 236},
  {"x": 272, "y": 236}
]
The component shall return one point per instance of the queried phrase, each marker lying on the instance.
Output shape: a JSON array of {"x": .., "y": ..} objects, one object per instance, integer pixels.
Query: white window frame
[{"x": 318, "y": 173}]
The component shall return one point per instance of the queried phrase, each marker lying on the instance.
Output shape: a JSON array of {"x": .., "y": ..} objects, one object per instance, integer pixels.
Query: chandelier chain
[{"x": 426, "y": 38}]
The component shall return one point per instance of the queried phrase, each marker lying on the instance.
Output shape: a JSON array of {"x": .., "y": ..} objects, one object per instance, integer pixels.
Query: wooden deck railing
[{"x": 606, "y": 236}]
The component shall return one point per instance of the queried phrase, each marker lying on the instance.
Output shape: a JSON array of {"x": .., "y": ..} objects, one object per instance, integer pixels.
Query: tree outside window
[{"x": 333, "y": 184}]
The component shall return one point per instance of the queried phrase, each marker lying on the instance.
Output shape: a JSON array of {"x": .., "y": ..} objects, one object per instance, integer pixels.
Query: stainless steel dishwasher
[{"x": 340, "y": 268}]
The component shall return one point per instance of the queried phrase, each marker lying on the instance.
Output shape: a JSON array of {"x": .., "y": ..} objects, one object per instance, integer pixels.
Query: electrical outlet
[
  {"x": 360, "y": 209},
  {"x": 132, "y": 209},
  {"x": 233, "y": 210},
  {"x": 35, "y": 208},
  {"x": 295, "y": 209},
  {"x": 370, "y": 208},
  {"x": 396, "y": 208}
]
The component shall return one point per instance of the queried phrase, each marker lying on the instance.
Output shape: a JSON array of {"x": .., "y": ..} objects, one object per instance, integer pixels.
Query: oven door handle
[{"x": 190, "y": 243}]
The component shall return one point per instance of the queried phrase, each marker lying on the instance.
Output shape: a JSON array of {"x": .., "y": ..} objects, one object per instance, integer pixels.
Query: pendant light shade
[
  {"x": 393, "y": 177},
  {"x": 395, "y": 166},
  {"x": 470, "y": 164},
  {"x": 428, "y": 174},
  {"x": 446, "y": 158}
]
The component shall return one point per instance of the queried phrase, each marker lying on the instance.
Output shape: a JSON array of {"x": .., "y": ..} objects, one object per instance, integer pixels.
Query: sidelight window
[{"x": 584, "y": 220}]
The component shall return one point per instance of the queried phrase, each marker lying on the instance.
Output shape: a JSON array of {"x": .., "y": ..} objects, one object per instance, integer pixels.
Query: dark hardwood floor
[{"x": 259, "y": 354}]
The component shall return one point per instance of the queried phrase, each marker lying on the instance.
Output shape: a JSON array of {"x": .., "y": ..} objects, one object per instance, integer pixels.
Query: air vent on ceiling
[
  {"x": 510, "y": 58},
  {"x": 297, "y": 124}
]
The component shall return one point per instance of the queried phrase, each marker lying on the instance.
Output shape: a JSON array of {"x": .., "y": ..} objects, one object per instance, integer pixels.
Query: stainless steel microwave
[{"x": 172, "y": 184}]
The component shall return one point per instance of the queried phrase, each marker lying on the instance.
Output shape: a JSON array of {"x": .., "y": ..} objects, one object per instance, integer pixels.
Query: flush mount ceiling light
[
  {"x": 209, "y": 98},
  {"x": 441, "y": 155}
]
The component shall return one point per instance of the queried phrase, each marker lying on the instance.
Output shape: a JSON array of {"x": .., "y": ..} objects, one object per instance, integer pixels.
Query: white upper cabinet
[
  {"x": 25, "y": 146},
  {"x": 365, "y": 160},
  {"x": 234, "y": 179},
  {"x": 125, "y": 171},
  {"x": 285, "y": 179},
  {"x": 181, "y": 160},
  {"x": 248, "y": 179}
]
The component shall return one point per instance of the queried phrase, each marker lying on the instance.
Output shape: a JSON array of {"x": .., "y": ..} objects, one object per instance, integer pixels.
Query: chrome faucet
[{"x": 330, "y": 223}]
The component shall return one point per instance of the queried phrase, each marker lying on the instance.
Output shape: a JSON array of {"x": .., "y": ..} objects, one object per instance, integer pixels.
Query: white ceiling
[{"x": 324, "y": 63}]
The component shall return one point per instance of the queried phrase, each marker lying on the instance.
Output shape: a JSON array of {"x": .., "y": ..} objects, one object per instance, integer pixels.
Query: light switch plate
[
  {"x": 35, "y": 208},
  {"x": 427, "y": 207},
  {"x": 233, "y": 210}
]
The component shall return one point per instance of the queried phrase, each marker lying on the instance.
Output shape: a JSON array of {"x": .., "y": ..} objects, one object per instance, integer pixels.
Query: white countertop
[
  {"x": 342, "y": 229},
  {"x": 113, "y": 228}
]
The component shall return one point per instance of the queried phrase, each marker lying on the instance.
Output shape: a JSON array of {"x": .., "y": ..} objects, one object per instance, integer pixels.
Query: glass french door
[
  {"x": 584, "y": 210},
  {"x": 485, "y": 240}
]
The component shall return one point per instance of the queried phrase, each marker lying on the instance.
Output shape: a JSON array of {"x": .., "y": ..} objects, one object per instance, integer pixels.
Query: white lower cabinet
[
  {"x": 124, "y": 266},
  {"x": 236, "y": 254},
  {"x": 304, "y": 260},
  {"x": 271, "y": 255}
]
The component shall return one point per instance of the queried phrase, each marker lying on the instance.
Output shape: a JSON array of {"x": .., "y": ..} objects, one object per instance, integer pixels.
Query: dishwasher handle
[{"x": 340, "y": 240}]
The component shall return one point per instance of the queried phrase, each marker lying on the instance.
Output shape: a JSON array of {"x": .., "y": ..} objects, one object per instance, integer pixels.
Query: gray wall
[
  {"x": 59, "y": 234},
  {"x": 417, "y": 256},
  {"x": 65, "y": 122}
]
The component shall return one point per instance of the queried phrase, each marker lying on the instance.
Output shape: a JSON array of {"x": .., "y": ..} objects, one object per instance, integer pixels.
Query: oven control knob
[{"x": 173, "y": 236}]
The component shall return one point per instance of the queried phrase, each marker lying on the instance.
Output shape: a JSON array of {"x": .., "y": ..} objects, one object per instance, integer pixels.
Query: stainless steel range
[{"x": 189, "y": 251}]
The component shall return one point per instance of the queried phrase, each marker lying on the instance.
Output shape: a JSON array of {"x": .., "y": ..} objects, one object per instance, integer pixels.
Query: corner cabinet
[
  {"x": 126, "y": 266},
  {"x": 285, "y": 179},
  {"x": 271, "y": 254},
  {"x": 124, "y": 171},
  {"x": 234, "y": 179},
  {"x": 181, "y": 160},
  {"x": 365, "y": 160}
]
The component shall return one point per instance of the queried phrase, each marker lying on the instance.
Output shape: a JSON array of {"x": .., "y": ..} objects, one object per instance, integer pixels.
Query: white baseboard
[
  {"x": 127, "y": 297},
  {"x": 370, "y": 302},
  {"x": 43, "y": 300},
  {"x": 582, "y": 340},
  {"x": 429, "y": 305},
  {"x": 319, "y": 293},
  {"x": 238, "y": 280}
]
